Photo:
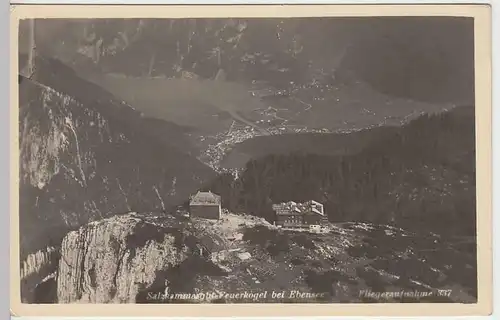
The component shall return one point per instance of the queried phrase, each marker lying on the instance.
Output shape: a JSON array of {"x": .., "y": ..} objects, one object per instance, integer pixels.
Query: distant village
[{"x": 290, "y": 215}]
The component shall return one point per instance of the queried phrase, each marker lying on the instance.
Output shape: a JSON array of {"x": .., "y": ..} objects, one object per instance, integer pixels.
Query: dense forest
[{"x": 421, "y": 176}]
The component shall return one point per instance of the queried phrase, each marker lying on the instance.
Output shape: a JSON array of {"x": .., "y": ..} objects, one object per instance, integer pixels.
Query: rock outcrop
[
  {"x": 108, "y": 261},
  {"x": 124, "y": 258},
  {"x": 35, "y": 268}
]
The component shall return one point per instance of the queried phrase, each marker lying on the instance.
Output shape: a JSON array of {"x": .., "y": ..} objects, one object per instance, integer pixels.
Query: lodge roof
[
  {"x": 291, "y": 207},
  {"x": 205, "y": 198}
]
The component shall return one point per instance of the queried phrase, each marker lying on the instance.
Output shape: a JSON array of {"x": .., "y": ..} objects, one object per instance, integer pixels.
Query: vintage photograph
[{"x": 247, "y": 160}]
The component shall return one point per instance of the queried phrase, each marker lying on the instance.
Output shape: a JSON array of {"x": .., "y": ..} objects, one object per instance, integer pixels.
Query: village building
[
  {"x": 298, "y": 215},
  {"x": 205, "y": 205}
]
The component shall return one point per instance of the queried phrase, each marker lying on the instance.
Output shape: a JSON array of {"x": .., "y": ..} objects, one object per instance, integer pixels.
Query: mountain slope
[
  {"x": 406, "y": 177},
  {"x": 85, "y": 155},
  {"x": 420, "y": 58},
  {"x": 407, "y": 57},
  {"x": 171, "y": 260},
  {"x": 278, "y": 75}
]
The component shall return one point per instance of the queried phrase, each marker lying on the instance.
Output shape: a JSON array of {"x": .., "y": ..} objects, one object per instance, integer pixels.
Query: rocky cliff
[
  {"x": 107, "y": 261},
  {"x": 146, "y": 258},
  {"x": 120, "y": 259},
  {"x": 36, "y": 269},
  {"x": 85, "y": 156}
]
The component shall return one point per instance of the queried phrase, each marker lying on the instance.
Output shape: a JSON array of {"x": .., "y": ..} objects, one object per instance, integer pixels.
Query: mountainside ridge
[
  {"x": 146, "y": 258},
  {"x": 278, "y": 50},
  {"x": 405, "y": 176},
  {"x": 85, "y": 155}
]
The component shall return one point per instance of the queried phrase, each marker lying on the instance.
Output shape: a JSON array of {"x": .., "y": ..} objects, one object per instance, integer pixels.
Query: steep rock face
[
  {"x": 36, "y": 260},
  {"x": 34, "y": 270},
  {"x": 85, "y": 156},
  {"x": 123, "y": 258},
  {"x": 109, "y": 261}
]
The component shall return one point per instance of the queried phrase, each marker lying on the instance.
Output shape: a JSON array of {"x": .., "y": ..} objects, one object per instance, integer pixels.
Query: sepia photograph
[{"x": 248, "y": 160}]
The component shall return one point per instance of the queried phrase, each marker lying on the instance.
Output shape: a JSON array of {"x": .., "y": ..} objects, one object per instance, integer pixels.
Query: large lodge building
[{"x": 292, "y": 214}]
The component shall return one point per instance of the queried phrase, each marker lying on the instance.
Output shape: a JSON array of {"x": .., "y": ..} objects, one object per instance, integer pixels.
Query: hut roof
[{"x": 205, "y": 198}]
